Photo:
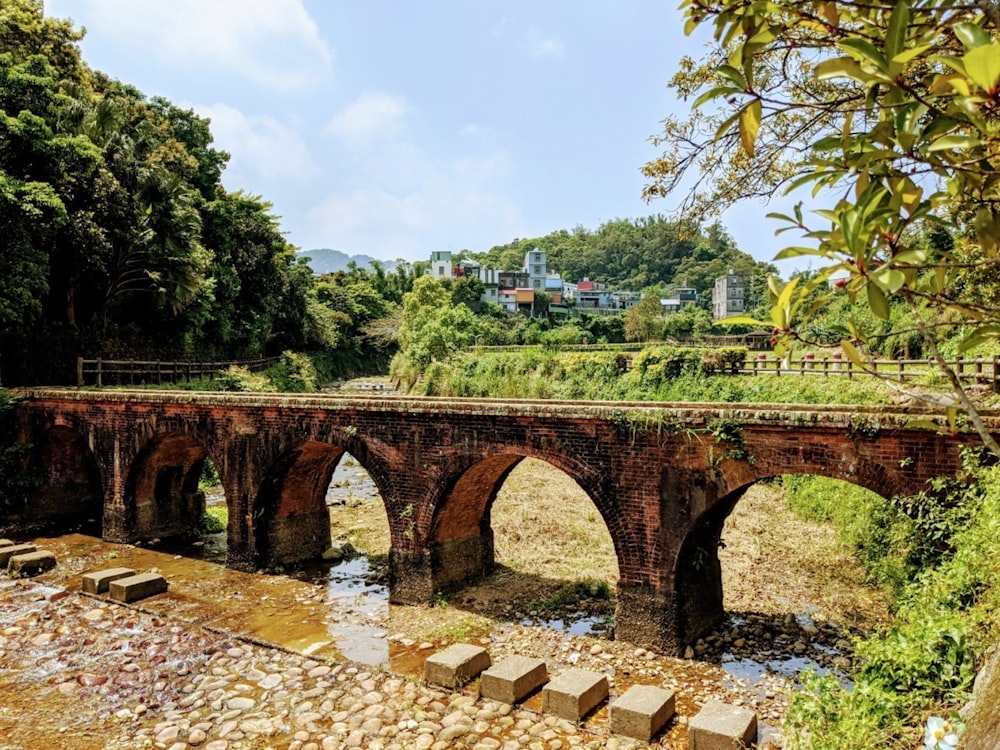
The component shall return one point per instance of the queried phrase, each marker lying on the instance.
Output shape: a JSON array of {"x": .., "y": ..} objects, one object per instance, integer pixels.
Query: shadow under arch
[
  {"x": 698, "y": 569},
  {"x": 70, "y": 494},
  {"x": 162, "y": 496},
  {"x": 291, "y": 521},
  {"x": 461, "y": 534}
]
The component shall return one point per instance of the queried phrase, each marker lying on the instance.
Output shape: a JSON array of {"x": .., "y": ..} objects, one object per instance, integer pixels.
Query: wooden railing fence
[{"x": 101, "y": 372}]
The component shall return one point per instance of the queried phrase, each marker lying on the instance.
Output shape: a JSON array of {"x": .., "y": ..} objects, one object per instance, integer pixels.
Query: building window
[
  {"x": 440, "y": 270},
  {"x": 538, "y": 270}
]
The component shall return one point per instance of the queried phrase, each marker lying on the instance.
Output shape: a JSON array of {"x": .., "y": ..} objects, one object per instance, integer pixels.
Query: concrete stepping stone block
[
  {"x": 721, "y": 726},
  {"x": 136, "y": 587},
  {"x": 99, "y": 581},
  {"x": 574, "y": 693},
  {"x": 456, "y": 665},
  {"x": 641, "y": 711},
  {"x": 14, "y": 549},
  {"x": 513, "y": 679},
  {"x": 6, "y": 543},
  {"x": 31, "y": 563}
]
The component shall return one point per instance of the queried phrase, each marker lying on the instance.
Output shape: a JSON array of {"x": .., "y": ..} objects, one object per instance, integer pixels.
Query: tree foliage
[
  {"x": 637, "y": 253},
  {"x": 889, "y": 114}
]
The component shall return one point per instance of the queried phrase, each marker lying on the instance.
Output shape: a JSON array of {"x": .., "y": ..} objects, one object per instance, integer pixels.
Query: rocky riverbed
[
  {"x": 319, "y": 659},
  {"x": 82, "y": 672}
]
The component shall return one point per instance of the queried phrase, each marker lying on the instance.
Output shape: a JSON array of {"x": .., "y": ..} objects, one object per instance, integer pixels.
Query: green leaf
[
  {"x": 908, "y": 54},
  {"x": 889, "y": 278},
  {"x": 749, "y": 125},
  {"x": 910, "y": 257},
  {"x": 971, "y": 35},
  {"x": 864, "y": 51},
  {"x": 954, "y": 141},
  {"x": 895, "y": 35},
  {"x": 716, "y": 93},
  {"x": 852, "y": 353},
  {"x": 979, "y": 336},
  {"x": 841, "y": 67},
  {"x": 982, "y": 65},
  {"x": 732, "y": 75},
  {"x": 878, "y": 302},
  {"x": 796, "y": 252}
]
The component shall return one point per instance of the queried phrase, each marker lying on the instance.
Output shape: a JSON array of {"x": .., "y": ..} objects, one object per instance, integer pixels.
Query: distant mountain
[{"x": 325, "y": 260}]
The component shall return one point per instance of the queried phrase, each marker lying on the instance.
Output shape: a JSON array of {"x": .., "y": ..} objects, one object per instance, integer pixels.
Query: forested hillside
[{"x": 637, "y": 253}]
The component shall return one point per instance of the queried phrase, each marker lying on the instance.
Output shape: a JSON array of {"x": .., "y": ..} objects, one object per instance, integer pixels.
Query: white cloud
[
  {"x": 452, "y": 204},
  {"x": 541, "y": 46},
  {"x": 259, "y": 145},
  {"x": 273, "y": 43},
  {"x": 373, "y": 117}
]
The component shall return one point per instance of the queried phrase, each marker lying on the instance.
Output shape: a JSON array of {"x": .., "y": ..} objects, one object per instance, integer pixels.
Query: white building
[
  {"x": 729, "y": 296},
  {"x": 441, "y": 265},
  {"x": 535, "y": 266}
]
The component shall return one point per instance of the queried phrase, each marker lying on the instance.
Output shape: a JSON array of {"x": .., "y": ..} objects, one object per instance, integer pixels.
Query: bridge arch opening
[
  {"x": 767, "y": 558},
  {"x": 71, "y": 495},
  {"x": 526, "y": 538},
  {"x": 163, "y": 497},
  {"x": 314, "y": 498}
]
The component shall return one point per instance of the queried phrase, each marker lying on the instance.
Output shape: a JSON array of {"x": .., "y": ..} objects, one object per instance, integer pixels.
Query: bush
[
  {"x": 947, "y": 611},
  {"x": 294, "y": 373},
  {"x": 238, "y": 379}
]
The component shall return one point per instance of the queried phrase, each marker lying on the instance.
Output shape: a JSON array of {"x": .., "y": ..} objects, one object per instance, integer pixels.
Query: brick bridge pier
[{"x": 664, "y": 477}]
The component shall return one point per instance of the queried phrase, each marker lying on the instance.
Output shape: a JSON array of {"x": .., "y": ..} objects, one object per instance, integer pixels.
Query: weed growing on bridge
[
  {"x": 407, "y": 515},
  {"x": 729, "y": 432},
  {"x": 633, "y": 422},
  {"x": 861, "y": 426}
]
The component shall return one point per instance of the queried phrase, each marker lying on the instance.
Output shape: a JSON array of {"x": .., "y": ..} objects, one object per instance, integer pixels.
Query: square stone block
[
  {"x": 14, "y": 549},
  {"x": 513, "y": 679},
  {"x": 721, "y": 726},
  {"x": 574, "y": 693},
  {"x": 136, "y": 587},
  {"x": 641, "y": 711},
  {"x": 31, "y": 563},
  {"x": 99, "y": 581},
  {"x": 456, "y": 665}
]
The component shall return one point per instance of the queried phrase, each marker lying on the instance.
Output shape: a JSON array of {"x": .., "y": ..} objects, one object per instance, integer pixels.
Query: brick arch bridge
[{"x": 663, "y": 476}]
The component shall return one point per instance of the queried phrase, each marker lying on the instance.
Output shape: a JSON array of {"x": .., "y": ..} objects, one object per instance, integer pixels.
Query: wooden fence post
[
  {"x": 99, "y": 383},
  {"x": 79, "y": 372}
]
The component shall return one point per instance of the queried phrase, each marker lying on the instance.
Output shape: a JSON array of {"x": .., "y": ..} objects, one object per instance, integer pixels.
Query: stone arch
[
  {"x": 460, "y": 535},
  {"x": 697, "y": 568},
  {"x": 291, "y": 522},
  {"x": 162, "y": 497},
  {"x": 71, "y": 492}
]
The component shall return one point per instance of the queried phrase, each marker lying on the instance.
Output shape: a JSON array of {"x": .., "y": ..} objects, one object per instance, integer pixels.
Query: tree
[
  {"x": 644, "y": 321},
  {"x": 889, "y": 113},
  {"x": 468, "y": 291}
]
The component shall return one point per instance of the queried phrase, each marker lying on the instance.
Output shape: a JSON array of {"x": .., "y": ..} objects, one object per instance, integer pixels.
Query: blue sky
[{"x": 396, "y": 129}]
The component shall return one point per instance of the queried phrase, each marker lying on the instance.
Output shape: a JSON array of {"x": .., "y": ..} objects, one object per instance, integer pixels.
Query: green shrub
[
  {"x": 947, "y": 611},
  {"x": 238, "y": 379},
  {"x": 214, "y": 520},
  {"x": 294, "y": 373}
]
